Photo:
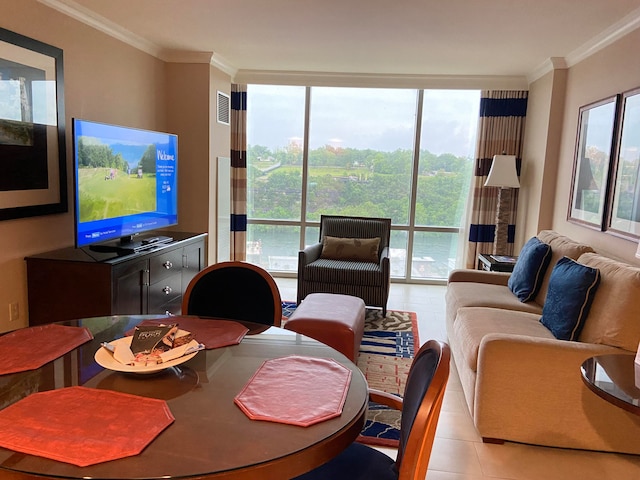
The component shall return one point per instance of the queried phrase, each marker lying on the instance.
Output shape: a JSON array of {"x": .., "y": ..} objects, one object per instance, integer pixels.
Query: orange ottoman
[{"x": 335, "y": 320}]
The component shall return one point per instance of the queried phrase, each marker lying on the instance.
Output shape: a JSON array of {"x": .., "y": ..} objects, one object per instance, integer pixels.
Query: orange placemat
[
  {"x": 212, "y": 333},
  {"x": 83, "y": 426},
  {"x": 296, "y": 390},
  {"x": 31, "y": 348}
]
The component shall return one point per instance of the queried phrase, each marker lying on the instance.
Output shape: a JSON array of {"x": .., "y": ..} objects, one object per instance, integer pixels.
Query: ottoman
[{"x": 335, "y": 320}]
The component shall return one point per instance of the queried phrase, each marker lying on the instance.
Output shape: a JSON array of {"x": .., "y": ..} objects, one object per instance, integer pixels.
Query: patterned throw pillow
[
  {"x": 529, "y": 270},
  {"x": 572, "y": 287},
  {"x": 356, "y": 249}
]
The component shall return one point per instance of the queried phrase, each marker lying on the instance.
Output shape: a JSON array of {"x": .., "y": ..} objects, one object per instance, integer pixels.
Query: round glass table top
[{"x": 616, "y": 378}]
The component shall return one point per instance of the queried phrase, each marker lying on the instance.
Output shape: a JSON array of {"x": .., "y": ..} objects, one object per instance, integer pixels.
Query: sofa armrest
[
  {"x": 530, "y": 389},
  {"x": 309, "y": 254},
  {"x": 479, "y": 276}
]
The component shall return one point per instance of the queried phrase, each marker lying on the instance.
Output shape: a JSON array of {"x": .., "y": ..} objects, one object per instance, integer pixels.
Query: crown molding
[
  {"x": 328, "y": 79},
  {"x": 92, "y": 19},
  {"x": 221, "y": 63},
  {"x": 612, "y": 34},
  {"x": 550, "y": 64}
]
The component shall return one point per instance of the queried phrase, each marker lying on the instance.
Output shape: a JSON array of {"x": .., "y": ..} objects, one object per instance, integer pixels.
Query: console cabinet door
[{"x": 131, "y": 288}]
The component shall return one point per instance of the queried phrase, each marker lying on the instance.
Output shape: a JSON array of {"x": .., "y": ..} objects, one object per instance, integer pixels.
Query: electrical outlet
[{"x": 14, "y": 311}]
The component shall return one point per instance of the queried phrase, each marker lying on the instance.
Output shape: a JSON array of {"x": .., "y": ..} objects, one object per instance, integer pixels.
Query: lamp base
[{"x": 500, "y": 240}]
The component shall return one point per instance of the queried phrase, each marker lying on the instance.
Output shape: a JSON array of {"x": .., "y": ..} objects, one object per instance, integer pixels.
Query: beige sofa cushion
[
  {"x": 614, "y": 318},
  {"x": 561, "y": 246},
  {"x": 474, "y": 323},
  {"x": 471, "y": 294}
]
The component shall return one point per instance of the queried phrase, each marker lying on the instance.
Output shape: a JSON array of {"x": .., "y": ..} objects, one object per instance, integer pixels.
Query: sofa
[{"x": 523, "y": 384}]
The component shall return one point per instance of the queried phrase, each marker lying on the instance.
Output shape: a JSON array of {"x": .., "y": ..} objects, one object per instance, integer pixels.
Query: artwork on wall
[
  {"x": 624, "y": 216},
  {"x": 594, "y": 142},
  {"x": 33, "y": 179}
]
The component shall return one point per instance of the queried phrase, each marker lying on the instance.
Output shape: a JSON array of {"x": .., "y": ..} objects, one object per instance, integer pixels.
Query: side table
[
  {"x": 615, "y": 378},
  {"x": 487, "y": 262}
]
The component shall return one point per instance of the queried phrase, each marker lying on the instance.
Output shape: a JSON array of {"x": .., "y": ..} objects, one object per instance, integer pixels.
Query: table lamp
[{"x": 503, "y": 175}]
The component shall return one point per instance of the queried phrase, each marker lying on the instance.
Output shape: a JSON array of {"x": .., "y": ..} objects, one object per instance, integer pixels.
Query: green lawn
[{"x": 123, "y": 195}]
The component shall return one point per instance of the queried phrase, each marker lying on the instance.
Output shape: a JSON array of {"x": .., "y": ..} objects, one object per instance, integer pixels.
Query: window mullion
[{"x": 305, "y": 168}]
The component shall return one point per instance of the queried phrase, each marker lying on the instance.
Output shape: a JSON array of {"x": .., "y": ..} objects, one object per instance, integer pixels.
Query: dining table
[{"x": 211, "y": 436}]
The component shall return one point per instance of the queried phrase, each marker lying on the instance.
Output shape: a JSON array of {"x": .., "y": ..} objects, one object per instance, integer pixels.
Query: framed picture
[
  {"x": 624, "y": 217},
  {"x": 594, "y": 143},
  {"x": 32, "y": 128}
]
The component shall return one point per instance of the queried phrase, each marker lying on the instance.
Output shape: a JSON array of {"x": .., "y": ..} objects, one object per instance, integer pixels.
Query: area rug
[{"x": 386, "y": 353}]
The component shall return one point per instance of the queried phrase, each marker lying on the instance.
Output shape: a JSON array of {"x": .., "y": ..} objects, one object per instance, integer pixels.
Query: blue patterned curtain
[
  {"x": 238, "y": 172},
  {"x": 500, "y": 131}
]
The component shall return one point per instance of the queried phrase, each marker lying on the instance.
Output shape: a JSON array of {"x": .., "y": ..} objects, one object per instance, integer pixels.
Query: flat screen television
[{"x": 126, "y": 184}]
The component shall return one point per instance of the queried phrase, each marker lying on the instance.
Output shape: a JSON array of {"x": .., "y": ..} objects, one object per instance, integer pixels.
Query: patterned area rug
[{"x": 386, "y": 352}]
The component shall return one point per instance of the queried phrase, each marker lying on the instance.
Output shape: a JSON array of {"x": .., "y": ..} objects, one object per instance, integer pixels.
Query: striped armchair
[{"x": 348, "y": 272}]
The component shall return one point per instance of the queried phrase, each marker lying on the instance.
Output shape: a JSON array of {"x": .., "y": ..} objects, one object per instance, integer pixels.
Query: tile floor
[{"x": 458, "y": 452}]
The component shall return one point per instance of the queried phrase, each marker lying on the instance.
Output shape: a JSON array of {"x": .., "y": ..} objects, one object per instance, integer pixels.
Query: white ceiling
[{"x": 377, "y": 37}]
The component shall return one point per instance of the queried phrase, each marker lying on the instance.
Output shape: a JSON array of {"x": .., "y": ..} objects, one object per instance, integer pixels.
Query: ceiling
[{"x": 376, "y": 37}]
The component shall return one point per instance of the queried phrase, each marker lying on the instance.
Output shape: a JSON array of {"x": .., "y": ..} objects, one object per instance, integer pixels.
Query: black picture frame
[
  {"x": 624, "y": 210},
  {"x": 588, "y": 202},
  {"x": 32, "y": 128}
]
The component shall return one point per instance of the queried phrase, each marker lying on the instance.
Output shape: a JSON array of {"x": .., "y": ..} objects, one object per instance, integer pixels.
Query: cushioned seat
[
  {"x": 335, "y": 320},
  {"x": 474, "y": 323}
]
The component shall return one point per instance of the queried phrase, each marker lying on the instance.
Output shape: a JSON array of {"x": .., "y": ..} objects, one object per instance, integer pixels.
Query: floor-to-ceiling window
[{"x": 399, "y": 153}]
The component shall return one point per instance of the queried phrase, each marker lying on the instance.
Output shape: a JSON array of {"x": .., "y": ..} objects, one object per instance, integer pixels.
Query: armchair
[{"x": 351, "y": 258}]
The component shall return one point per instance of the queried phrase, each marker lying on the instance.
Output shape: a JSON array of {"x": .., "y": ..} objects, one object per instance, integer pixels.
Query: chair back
[
  {"x": 422, "y": 402},
  {"x": 356, "y": 227},
  {"x": 234, "y": 291}
]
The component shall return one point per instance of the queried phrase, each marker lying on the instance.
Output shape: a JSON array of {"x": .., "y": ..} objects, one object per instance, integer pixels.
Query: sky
[{"x": 363, "y": 118}]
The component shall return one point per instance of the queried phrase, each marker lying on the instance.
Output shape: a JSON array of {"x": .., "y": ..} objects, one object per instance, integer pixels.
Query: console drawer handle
[
  {"x": 167, "y": 290},
  {"x": 167, "y": 265}
]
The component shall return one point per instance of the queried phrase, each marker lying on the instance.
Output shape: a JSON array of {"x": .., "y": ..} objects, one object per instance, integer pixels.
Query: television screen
[{"x": 126, "y": 181}]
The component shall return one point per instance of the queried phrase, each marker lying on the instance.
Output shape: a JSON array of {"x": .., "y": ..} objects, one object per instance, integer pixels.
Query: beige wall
[
  {"x": 540, "y": 153},
  {"x": 613, "y": 70},
  {"x": 106, "y": 80}
]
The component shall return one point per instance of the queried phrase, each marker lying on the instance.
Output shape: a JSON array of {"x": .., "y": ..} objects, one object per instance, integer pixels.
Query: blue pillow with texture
[
  {"x": 572, "y": 287},
  {"x": 528, "y": 272}
]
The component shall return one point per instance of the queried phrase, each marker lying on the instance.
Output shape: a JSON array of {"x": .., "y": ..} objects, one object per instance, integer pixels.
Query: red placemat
[
  {"x": 30, "y": 348},
  {"x": 83, "y": 426},
  {"x": 212, "y": 333},
  {"x": 296, "y": 390}
]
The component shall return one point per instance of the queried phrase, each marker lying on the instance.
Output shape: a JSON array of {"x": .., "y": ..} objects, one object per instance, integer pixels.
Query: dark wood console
[{"x": 78, "y": 282}]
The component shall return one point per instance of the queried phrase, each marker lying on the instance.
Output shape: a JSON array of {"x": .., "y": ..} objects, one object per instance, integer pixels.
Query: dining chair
[
  {"x": 350, "y": 258},
  {"x": 420, "y": 408},
  {"x": 234, "y": 291}
]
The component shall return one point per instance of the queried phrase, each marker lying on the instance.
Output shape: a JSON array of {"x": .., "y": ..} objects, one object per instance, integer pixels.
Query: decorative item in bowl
[{"x": 150, "y": 349}]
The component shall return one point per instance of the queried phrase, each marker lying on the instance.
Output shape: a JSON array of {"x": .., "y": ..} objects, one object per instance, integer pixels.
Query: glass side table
[{"x": 615, "y": 378}]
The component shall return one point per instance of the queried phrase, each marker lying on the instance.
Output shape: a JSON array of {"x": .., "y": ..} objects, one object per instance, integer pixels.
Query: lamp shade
[{"x": 503, "y": 172}]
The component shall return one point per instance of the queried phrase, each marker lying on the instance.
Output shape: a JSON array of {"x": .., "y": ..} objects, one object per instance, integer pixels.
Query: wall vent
[{"x": 224, "y": 108}]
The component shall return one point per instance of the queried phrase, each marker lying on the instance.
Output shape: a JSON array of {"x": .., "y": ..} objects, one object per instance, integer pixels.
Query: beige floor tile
[
  {"x": 527, "y": 462},
  {"x": 457, "y": 426},
  {"x": 438, "y": 475},
  {"x": 455, "y": 456}
]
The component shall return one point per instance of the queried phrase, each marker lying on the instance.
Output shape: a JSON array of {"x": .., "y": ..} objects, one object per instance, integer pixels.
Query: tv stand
[
  {"x": 126, "y": 246},
  {"x": 80, "y": 282}
]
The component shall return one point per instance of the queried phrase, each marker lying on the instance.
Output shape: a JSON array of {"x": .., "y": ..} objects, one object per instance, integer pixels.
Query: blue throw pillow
[
  {"x": 529, "y": 270},
  {"x": 572, "y": 287}
]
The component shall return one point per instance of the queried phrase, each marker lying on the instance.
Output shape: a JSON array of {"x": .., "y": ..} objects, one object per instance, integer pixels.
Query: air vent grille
[{"x": 224, "y": 105}]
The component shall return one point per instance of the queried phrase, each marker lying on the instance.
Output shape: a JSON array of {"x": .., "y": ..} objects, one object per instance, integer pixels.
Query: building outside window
[{"x": 398, "y": 153}]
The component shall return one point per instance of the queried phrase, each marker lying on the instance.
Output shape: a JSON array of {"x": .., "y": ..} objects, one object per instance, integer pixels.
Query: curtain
[
  {"x": 238, "y": 172},
  {"x": 500, "y": 131}
]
